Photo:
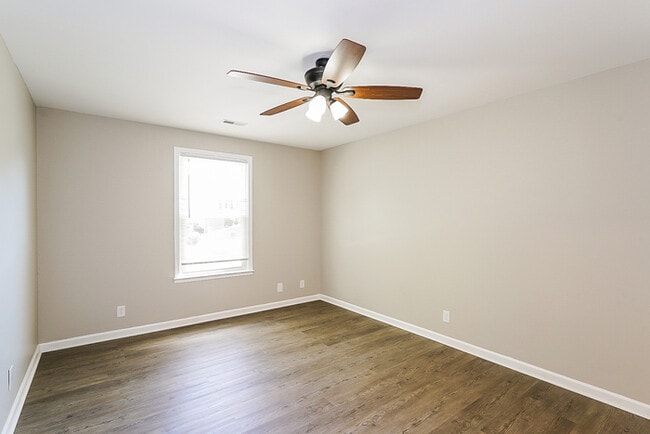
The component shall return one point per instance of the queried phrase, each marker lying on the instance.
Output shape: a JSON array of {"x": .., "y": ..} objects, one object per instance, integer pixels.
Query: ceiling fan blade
[
  {"x": 350, "y": 117},
  {"x": 382, "y": 92},
  {"x": 286, "y": 106},
  {"x": 266, "y": 79},
  {"x": 345, "y": 57}
]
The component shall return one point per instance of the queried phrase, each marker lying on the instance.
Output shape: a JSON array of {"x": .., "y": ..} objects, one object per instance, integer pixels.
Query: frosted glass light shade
[
  {"x": 317, "y": 106},
  {"x": 338, "y": 110}
]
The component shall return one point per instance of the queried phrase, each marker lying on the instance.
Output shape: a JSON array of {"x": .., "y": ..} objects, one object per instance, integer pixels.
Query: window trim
[{"x": 200, "y": 153}]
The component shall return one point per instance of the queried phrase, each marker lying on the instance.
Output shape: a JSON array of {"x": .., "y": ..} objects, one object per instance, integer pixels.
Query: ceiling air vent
[{"x": 229, "y": 122}]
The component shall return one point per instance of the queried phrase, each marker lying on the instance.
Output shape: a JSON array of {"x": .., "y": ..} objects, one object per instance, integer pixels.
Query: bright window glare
[{"x": 213, "y": 214}]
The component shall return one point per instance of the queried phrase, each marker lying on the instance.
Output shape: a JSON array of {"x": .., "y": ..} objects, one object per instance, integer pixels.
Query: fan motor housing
[{"x": 314, "y": 76}]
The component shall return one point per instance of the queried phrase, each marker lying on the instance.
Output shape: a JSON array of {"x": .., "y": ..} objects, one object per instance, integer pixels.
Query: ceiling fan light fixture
[
  {"x": 317, "y": 107},
  {"x": 338, "y": 110},
  {"x": 326, "y": 81}
]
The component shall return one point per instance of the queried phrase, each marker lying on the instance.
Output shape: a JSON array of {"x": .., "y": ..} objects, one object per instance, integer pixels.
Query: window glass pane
[{"x": 213, "y": 226}]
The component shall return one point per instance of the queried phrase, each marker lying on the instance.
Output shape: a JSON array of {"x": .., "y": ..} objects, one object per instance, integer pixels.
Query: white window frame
[{"x": 179, "y": 276}]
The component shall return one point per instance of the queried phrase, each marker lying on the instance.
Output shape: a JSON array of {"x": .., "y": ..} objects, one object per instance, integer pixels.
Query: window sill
[{"x": 184, "y": 279}]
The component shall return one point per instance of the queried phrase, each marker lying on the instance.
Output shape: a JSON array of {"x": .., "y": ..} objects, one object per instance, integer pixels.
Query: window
[{"x": 212, "y": 204}]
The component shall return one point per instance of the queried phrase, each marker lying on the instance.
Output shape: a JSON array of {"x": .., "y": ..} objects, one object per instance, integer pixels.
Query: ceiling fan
[{"x": 326, "y": 79}]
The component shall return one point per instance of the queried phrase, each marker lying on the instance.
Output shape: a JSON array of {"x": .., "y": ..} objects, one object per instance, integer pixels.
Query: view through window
[{"x": 213, "y": 215}]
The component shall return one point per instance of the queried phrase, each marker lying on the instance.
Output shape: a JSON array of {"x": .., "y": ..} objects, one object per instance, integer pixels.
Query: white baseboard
[
  {"x": 610, "y": 398},
  {"x": 17, "y": 407},
  {"x": 19, "y": 401},
  {"x": 588, "y": 390},
  {"x": 168, "y": 325}
]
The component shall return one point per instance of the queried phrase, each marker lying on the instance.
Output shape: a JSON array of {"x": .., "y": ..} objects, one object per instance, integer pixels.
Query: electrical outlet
[
  {"x": 445, "y": 315},
  {"x": 10, "y": 375},
  {"x": 302, "y": 284},
  {"x": 280, "y": 287},
  {"x": 121, "y": 311}
]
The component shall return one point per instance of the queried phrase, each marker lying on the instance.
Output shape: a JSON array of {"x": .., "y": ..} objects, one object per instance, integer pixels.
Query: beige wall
[
  {"x": 105, "y": 222},
  {"x": 17, "y": 228},
  {"x": 528, "y": 219}
]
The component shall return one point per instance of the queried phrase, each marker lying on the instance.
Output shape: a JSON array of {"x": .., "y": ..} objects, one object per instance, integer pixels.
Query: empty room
[{"x": 281, "y": 217}]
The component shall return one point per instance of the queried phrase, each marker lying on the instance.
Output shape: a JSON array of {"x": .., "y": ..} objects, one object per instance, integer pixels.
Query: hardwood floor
[{"x": 307, "y": 368}]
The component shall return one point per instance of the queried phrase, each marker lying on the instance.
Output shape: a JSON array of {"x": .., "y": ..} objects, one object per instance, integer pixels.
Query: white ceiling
[{"x": 165, "y": 62}]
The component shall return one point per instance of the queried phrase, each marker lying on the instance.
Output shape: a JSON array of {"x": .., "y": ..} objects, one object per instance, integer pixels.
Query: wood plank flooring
[{"x": 310, "y": 368}]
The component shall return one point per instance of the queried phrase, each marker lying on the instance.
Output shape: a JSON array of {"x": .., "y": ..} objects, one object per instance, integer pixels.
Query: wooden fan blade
[
  {"x": 344, "y": 59},
  {"x": 383, "y": 92},
  {"x": 266, "y": 79},
  {"x": 286, "y": 106},
  {"x": 350, "y": 117}
]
